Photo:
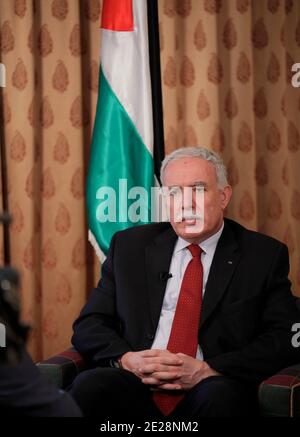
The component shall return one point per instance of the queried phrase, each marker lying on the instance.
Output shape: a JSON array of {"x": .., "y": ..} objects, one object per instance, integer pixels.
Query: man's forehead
[
  {"x": 190, "y": 161},
  {"x": 192, "y": 170}
]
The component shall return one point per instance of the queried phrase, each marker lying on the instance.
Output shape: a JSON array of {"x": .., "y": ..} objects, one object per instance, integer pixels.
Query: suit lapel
[
  {"x": 158, "y": 259},
  {"x": 224, "y": 263}
]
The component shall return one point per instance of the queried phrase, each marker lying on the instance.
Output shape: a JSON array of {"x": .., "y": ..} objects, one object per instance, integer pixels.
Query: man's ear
[{"x": 226, "y": 193}]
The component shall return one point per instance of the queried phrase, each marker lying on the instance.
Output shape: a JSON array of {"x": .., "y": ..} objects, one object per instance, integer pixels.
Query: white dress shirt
[{"x": 180, "y": 259}]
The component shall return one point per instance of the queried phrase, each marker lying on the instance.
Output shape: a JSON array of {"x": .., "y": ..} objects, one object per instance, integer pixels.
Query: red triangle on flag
[{"x": 117, "y": 15}]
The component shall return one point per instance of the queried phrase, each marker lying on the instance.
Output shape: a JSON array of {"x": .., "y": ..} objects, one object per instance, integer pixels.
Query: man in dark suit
[{"x": 189, "y": 316}]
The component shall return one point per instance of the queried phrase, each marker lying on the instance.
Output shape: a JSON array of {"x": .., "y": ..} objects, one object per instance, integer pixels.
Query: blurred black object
[
  {"x": 15, "y": 332},
  {"x": 24, "y": 391}
]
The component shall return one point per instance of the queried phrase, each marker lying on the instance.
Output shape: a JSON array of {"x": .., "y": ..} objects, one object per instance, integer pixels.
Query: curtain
[
  {"x": 226, "y": 79},
  {"x": 51, "y": 53},
  {"x": 226, "y": 72}
]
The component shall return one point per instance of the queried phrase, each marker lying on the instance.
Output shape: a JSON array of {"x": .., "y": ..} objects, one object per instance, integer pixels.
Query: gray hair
[{"x": 202, "y": 153}]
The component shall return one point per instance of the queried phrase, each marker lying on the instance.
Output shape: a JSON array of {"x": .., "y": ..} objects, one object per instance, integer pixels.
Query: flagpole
[
  {"x": 155, "y": 72},
  {"x": 5, "y": 218}
]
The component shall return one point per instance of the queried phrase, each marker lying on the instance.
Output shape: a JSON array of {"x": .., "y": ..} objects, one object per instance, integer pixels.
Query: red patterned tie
[{"x": 184, "y": 332}]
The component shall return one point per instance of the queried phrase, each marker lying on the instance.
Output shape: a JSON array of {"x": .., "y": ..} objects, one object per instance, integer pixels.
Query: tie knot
[{"x": 195, "y": 250}]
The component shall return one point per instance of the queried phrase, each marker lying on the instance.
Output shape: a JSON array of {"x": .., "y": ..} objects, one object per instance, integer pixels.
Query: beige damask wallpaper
[{"x": 226, "y": 78}]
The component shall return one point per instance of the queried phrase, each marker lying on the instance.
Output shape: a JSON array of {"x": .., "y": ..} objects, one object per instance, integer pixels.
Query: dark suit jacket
[{"x": 247, "y": 312}]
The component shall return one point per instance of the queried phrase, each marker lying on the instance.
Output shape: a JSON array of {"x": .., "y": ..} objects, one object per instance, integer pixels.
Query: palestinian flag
[{"x": 127, "y": 144}]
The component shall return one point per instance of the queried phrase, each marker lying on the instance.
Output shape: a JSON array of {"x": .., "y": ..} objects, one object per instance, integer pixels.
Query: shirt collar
[{"x": 207, "y": 245}]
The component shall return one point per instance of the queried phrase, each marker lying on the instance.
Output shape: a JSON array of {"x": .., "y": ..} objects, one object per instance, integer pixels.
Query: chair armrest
[
  {"x": 62, "y": 369},
  {"x": 279, "y": 395}
]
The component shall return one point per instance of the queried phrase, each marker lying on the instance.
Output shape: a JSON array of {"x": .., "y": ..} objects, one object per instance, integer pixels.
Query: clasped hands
[{"x": 165, "y": 370}]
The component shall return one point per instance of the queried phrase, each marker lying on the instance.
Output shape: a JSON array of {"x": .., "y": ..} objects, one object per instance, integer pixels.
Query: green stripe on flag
[{"x": 117, "y": 152}]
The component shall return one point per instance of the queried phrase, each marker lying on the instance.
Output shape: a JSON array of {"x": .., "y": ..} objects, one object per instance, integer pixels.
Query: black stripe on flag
[{"x": 157, "y": 110}]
